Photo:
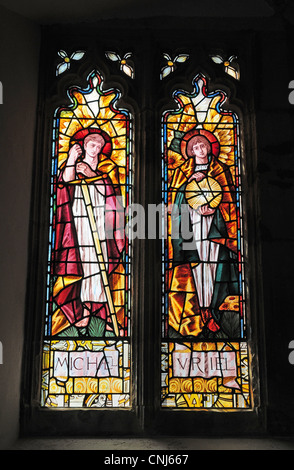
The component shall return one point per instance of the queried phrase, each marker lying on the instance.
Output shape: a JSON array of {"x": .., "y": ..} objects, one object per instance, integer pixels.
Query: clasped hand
[
  {"x": 198, "y": 176},
  {"x": 84, "y": 169},
  {"x": 205, "y": 210}
]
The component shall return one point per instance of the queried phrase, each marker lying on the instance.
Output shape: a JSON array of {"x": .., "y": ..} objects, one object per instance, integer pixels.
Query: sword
[{"x": 99, "y": 253}]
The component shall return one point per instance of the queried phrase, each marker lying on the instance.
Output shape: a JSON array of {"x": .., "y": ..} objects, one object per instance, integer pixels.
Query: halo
[
  {"x": 79, "y": 136},
  {"x": 206, "y": 191},
  {"x": 209, "y": 136}
]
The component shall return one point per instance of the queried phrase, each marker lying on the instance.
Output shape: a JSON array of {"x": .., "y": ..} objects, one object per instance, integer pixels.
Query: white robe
[
  {"x": 92, "y": 289},
  {"x": 204, "y": 273}
]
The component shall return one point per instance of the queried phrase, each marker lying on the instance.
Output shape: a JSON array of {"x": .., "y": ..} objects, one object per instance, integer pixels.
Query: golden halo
[
  {"x": 206, "y": 191},
  {"x": 215, "y": 146}
]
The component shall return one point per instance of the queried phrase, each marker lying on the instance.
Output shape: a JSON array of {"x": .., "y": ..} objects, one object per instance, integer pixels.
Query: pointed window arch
[{"x": 150, "y": 337}]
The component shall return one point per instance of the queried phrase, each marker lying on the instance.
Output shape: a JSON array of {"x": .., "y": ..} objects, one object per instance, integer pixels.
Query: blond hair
[{"x": 95, "y": 137}]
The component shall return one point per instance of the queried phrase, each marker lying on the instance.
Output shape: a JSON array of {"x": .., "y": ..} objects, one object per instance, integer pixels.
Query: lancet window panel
[
  {"x": 206, "y": 355},
  {"x": 87, "y": 328}
]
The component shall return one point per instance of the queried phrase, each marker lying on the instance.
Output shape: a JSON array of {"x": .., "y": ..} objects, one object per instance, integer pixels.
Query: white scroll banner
[
  {"x": 205, "y": 364},
  {"x": 85, "y": 364}
]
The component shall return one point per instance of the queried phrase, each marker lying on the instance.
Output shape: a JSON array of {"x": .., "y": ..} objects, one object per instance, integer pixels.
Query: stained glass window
[
  {"x": 205, "y": 362},
  {"x": 86, "y": 346}
]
